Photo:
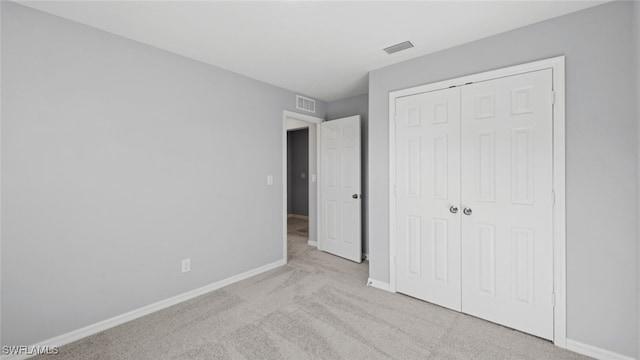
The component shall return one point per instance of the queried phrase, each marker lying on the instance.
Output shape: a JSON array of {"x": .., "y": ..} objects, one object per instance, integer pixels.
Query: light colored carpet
[
  {"x": 297, "y": 226},
  {"x": 317, "y": 306}
]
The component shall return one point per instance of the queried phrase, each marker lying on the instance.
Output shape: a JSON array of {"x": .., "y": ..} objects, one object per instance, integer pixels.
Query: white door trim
[
  {"x": 557, "y": 64},
  {"x": 312, "y": 121}
]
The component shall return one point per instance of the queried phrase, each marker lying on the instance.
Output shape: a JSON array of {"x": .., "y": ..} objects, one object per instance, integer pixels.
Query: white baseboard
[
  {"x": 312, "y": 243},
  {"x": 594, "y": 352},
  {"x": 379, "y": 285},
  {"x": 132, "y": 315}
]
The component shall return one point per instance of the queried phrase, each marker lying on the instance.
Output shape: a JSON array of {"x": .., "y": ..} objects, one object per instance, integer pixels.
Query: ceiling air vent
[
  {"x": 306, "y": 104},
  {"x": 398, "y": 47}
]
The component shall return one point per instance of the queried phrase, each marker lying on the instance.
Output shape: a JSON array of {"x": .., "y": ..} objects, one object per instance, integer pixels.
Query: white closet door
[
  {"x": 340, "y": 229},
  {"x": 507, "y": 253},
  {"x": 428, "y": 194}
]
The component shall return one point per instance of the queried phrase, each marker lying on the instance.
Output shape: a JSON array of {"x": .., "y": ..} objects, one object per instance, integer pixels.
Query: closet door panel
[
  {"x": 507, "y": 200},
  {"x": 428, "y": 193}
]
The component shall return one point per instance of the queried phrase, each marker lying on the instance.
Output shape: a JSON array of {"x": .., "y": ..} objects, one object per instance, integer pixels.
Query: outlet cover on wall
[
  {"x": 186, "y": 265},
  {"x": 269, "y": 179}
]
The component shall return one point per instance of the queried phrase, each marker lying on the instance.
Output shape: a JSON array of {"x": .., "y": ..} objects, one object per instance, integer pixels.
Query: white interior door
[
  {"x": 428, "y": 196},
  {"x": 507, "y": 201},
  {"x": 340, "y": 193}
]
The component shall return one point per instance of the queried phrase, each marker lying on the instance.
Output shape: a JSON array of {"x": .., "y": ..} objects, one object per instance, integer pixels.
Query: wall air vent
[
  {"x": 398, "y": 47},
  {"x": 306, "y": 104}
]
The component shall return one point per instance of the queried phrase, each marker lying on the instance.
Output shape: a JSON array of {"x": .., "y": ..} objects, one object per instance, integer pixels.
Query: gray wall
[
  {"x": 601, "y": 155},
  {"x": 119, "y": 160},
  {"x": 636, "y": 32},
  {"x": 357, "y": 105},
  {"x": 299, "y": 159}
]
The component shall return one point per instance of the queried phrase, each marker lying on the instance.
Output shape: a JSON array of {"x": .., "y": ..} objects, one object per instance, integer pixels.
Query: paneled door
[
  {"x": 507, "y": 201},
  {"x": 340, "y": 189},
  {"x": 428, "y": 196}
]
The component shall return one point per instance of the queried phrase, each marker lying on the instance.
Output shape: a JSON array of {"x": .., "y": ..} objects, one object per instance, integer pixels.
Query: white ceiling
[{"x": 321, "y": 49}]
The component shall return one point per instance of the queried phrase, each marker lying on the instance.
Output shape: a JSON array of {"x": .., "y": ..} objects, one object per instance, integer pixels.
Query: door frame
[
  {"x": 312, "y": 121},
  {"x": 557, "y": 65}
]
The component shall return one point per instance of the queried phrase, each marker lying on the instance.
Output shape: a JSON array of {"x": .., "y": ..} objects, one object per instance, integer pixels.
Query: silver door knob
[
  {"x": 355, "y": 196},
  {"x": 467, "y": 211},
  {"x": 453, "y": 209}
]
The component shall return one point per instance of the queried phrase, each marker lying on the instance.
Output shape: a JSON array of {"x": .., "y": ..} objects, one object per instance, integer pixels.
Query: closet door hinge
[
  {"x": 553, "y": 97},
  {"x": 553, "y": 299}
]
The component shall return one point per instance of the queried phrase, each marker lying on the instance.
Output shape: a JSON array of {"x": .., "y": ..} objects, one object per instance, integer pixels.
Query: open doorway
[
  {"x": 300, "y": 174},
  {"x": 297, "y": 190},
  {"x": 335, "y": 229}
]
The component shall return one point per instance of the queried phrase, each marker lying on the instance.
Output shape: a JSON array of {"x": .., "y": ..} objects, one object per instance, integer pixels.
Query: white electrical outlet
[
  {"x": 269, "y": 179},
  {"x": 186, "y": 265}
]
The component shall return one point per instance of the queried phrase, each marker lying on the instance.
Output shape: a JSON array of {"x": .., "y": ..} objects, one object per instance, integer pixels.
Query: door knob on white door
[
  {"x": 467, "y": 211},
  {"x": 355, "y": 196},
  {"x": 453, "y": 209}
]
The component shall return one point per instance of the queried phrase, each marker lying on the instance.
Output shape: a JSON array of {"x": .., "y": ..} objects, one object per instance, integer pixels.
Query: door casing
[{"x": 557, "y": 65}]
